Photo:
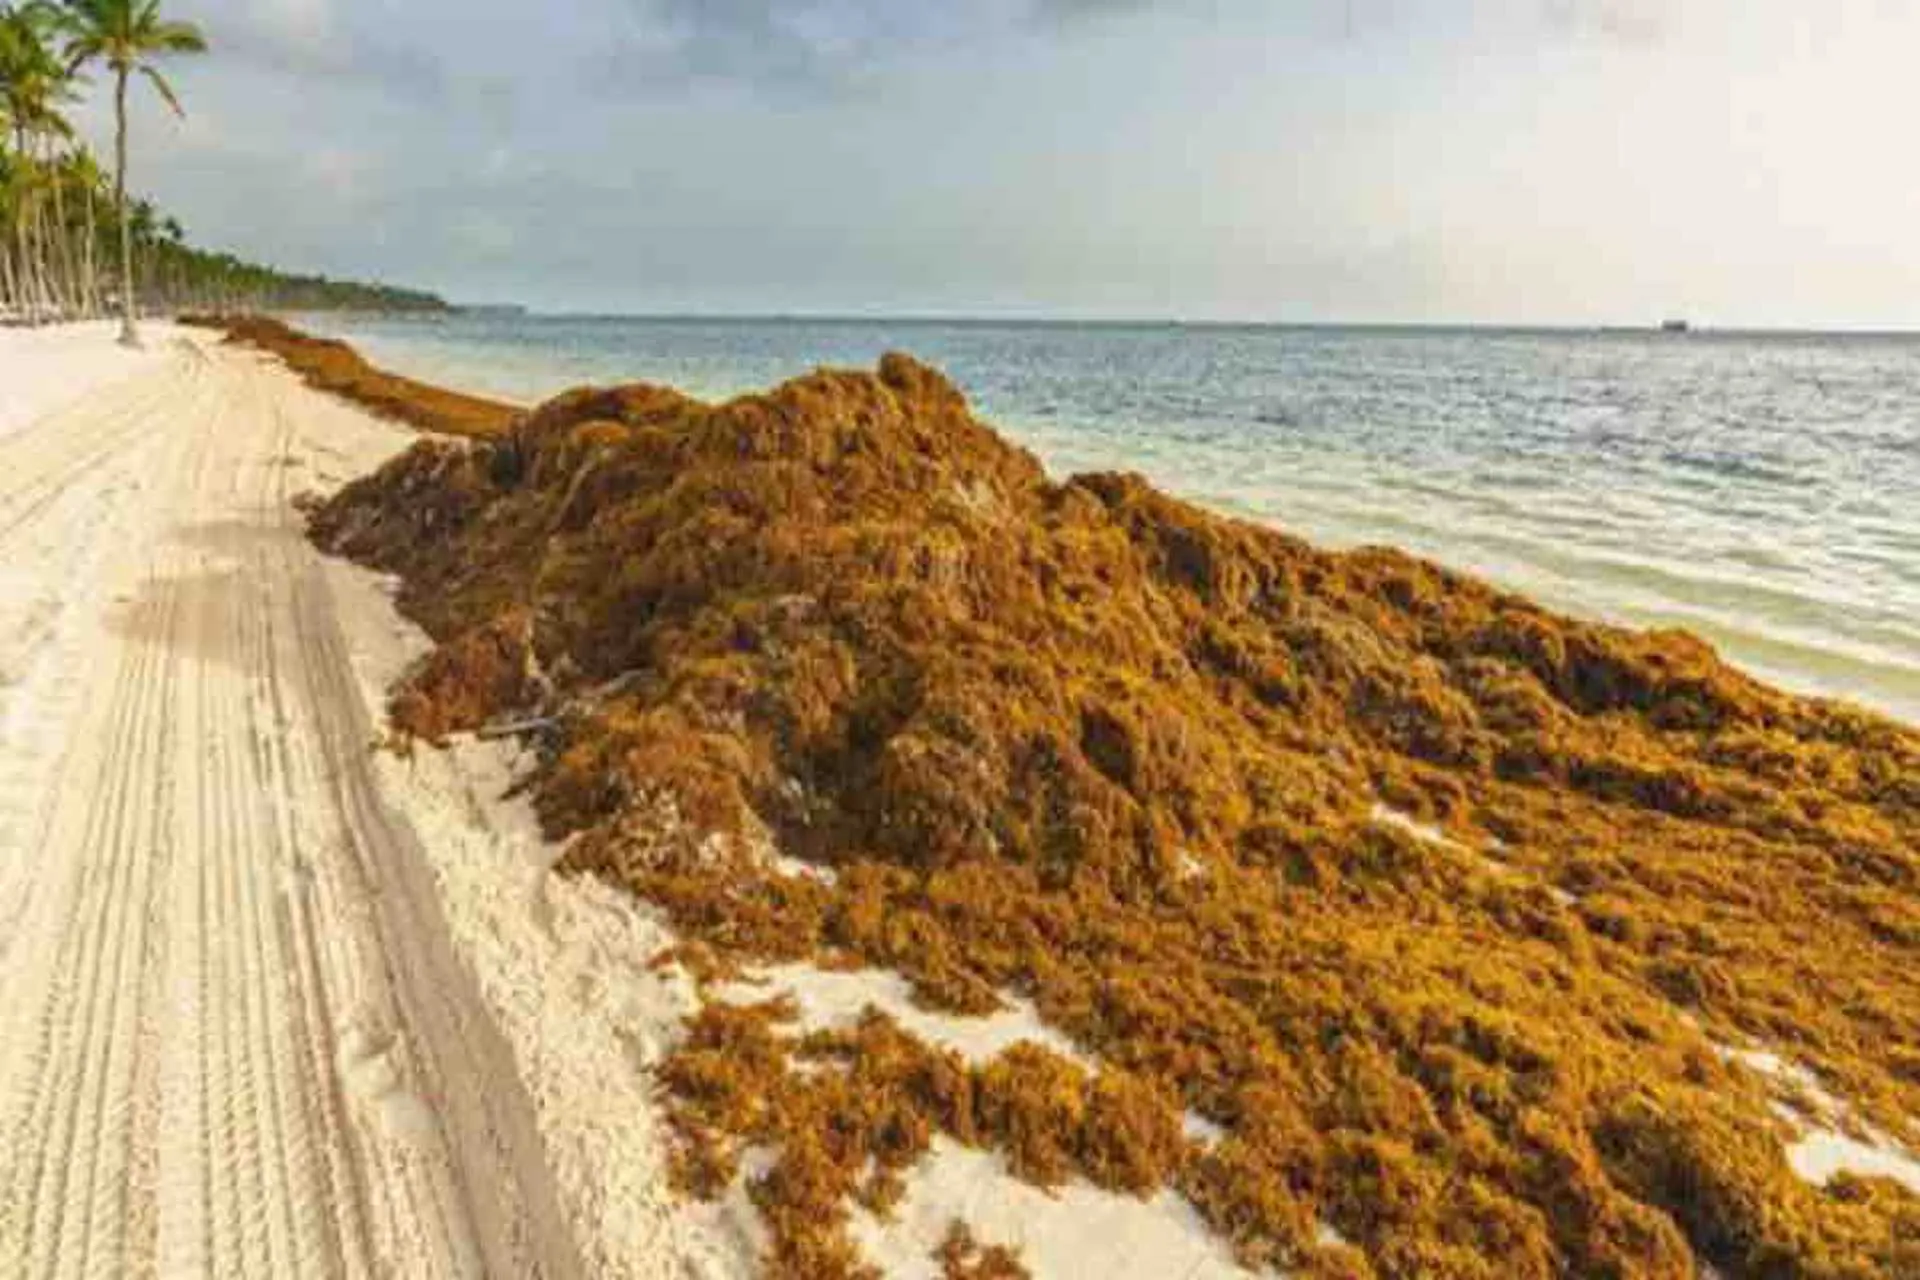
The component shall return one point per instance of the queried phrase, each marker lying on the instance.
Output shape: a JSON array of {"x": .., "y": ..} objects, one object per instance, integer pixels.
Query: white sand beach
[{"x": 237, "y": 1039}]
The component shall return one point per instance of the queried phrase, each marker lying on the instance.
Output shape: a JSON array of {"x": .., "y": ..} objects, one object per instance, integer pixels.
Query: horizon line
[{"x": 1656, "y": 327}]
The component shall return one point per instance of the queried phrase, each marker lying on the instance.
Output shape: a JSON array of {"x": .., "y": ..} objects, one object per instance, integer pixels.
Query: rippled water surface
[{"x": 1761, "y": 490}]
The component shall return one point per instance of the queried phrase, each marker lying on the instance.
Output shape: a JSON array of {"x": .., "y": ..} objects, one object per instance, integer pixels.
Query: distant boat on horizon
[{"x": 1675, "y": 326}]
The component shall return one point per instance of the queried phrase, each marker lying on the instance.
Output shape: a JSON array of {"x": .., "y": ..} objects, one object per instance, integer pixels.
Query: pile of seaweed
[
  {"x": 335, "y": 366},
  {"x": 1444, "y": 910}
]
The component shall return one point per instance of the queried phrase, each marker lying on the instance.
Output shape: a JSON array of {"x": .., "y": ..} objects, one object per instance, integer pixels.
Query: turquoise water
[{"x": 1760, "y": 490}]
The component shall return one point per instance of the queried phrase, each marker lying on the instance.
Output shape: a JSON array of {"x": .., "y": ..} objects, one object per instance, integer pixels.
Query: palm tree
[
  {"x": 127, "y": 35},
  {"x": 84, "y": 173},
  {"x": 33, "y": 85}
]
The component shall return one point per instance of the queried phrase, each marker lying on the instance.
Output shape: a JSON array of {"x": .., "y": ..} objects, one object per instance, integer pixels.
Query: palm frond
[
  {"x": 165, "y": 90},
  {"x": 179, "y": 37},
  {"x": 126, "y": 35}
]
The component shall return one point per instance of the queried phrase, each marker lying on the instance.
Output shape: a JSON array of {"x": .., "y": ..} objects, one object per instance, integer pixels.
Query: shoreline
[
  {"x": 1806, "y": 598},
  {"x": 1517, "y": 930},
  {"x": 335, "y": 367},
  {"x": 1686, "y": 705}
]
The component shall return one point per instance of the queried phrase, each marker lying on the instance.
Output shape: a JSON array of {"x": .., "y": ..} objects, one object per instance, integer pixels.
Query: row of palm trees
[
  {"x": 57, "y": 205},
  {"x": 73, "y": 244}
]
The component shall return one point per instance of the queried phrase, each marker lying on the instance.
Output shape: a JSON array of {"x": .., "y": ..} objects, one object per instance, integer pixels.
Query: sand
[
  {"x": 1829, "y": 1137},
  {"x": 833, "y": 1000},
  {"x": 55, "y": 366},
  {"x": 236, "y": 1039},
  {"x": 1076, "y": 1230},
  {"x": 565, "y": 968}
]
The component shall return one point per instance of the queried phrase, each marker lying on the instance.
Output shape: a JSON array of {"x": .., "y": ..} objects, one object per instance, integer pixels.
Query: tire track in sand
[
  {"x": 49, "y": 576},
  {"x": 237, "y": 1041},
  {"x": 54, "y": 455},
  {"x": 84, "y": 939}
]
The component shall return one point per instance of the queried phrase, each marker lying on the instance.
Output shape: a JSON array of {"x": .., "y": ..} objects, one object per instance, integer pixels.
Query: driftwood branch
[
  {"x": 516, "y": 728},
  {"x": 528, "y": 725}
]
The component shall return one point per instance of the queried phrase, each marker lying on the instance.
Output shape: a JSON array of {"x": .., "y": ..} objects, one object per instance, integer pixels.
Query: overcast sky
[{"x": 1574, "y": 161}]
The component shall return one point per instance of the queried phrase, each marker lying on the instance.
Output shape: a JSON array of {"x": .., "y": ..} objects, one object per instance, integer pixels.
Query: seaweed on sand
[
  {"x": 962, "y": 1257},
  {"x": 1434, "y": 901},
  {"x": 847, "y": 1113},
  {"x": 336, "y": 367}
]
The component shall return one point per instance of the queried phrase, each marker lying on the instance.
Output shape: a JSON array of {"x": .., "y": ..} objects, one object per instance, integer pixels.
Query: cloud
[
  {"x": 1632, "y": 22},
  {"x": 1073, "y": 10},
  {"x": 815, "y": 44},
  {"x": 795, "y": 43},
  {"x": 311, "y": 39}
]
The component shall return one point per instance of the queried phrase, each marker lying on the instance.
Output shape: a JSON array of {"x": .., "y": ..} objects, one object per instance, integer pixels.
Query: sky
[{"x": 1738, "y": 162}]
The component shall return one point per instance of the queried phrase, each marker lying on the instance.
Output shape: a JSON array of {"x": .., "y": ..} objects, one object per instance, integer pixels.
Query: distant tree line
[
  {"x": 174, "y": 276},
  {"x": 73, "y": 243}
]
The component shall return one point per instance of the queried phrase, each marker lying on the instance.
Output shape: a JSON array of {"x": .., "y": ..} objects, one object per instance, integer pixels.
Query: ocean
[{"x": 1760, "y": 490}]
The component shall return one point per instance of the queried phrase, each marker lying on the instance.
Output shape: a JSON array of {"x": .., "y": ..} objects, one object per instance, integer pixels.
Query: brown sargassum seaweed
[
  {"x": 335, "y": 366},
  {"x": 1140, "y": 763}
]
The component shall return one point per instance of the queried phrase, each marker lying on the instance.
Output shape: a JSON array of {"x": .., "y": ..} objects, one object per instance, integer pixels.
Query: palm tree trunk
[
  {"x": 49, "y": 244},
  {"x": 129, "y": 335},
  {"x": 17, "y": 251},
  {"x": 63, "y": 237},
  {"x": 9, "y": 291},
  {"x": 92, "y": 268},
  {"x": 33, "y": 256},
  {"x": 22, "y": 251},
  {"x": 42, "y": 259}
]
